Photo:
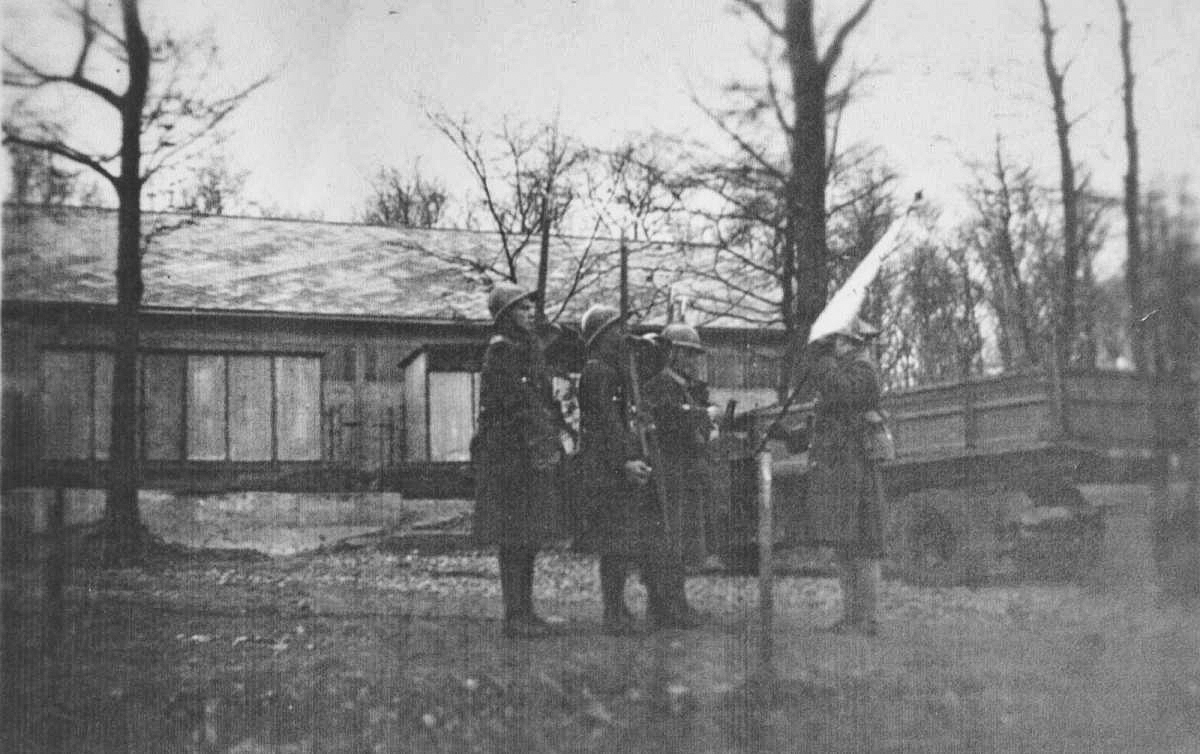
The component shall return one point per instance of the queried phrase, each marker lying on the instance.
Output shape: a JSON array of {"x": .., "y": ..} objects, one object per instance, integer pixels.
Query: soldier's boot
[
  {"x": 681, "y": 614},
  {"x": 617, "y": 621},
  {"x": 666, "y": 606},
  {"x": 848, "y": 582},
  {"x": 516, "y": 585},
  {"x": 860, "y": 582},
  {"x": 868, "y": 594}
]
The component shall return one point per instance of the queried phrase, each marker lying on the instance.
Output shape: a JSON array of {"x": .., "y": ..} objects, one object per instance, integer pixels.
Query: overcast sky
[{"x": 352, "y": 76}]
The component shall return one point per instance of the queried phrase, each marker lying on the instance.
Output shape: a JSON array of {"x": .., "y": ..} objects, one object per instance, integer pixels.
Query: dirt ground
[{"x": 371, "y": 650}]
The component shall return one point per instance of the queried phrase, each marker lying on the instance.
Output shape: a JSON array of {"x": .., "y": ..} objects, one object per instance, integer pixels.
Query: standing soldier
[
  {"x": 845, "y": 492},
  {"x": 516, "y": 454},
  {"x": 677, "y": 400},
  {"x": 616, "y": 505}
]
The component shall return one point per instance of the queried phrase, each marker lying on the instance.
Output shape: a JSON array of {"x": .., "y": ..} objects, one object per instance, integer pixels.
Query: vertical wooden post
[
  {"x": 766, "y": 576},
  {"x": 54, "y": 576},
  {"x": 624, "y": 281},
  {"x": 53, "y": 579},
  {"x": 970, "y": 414},
  {"x": 1058, "y": 404}
]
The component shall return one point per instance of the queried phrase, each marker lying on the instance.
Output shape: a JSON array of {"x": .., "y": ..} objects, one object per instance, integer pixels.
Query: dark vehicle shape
[{"x": 986, "y": 476}]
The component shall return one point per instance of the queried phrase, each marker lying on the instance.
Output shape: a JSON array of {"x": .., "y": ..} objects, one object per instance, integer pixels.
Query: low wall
[{"x": 276, "y": 523}]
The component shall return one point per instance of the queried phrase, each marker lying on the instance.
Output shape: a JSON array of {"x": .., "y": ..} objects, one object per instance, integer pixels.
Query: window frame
[
  {"x": 225, "y": 354},
  {"x": 180, "y": 452},
  {"x": 42, "y": 433}
]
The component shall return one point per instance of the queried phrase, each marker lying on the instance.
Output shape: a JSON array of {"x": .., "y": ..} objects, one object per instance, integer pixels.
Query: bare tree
[
  {"x": 1055, "y": 75},
  {"x": 212, "y": 187},
  {"x": 275, "y": 211},
  {"x": 1133, "y": 228},
  {"x": 768, "y": 211},
  {"x": 38, "y": 178},
  {"x": 804, "y": 257},
  {"x": 1014, "y": 235},
  {"x": 411, "y": 201},
  {"x": 1003, "y": 201},
  {"x": 933, "y": 332},
  {"x": 1094, "y": 209},
  {"x": 157, "y": 125},
  {"x": 641, "y": 188},
  {"x": 528, "y": 185},
  {"x": 1172, "y": 331}
]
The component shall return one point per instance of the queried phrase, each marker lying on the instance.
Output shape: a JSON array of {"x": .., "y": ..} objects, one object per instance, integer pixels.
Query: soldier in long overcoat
[
  {"x": 516, "y": 454},
  {"x": 844, "y": 501},
  {"x": 615, "y": 504},
  {"x": 677, "y": 400}
]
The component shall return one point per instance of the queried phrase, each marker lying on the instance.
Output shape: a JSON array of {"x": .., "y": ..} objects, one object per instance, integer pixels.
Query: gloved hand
[
  {"x": 546, "y": 454},
  {"x": 637, "y": 471},
  {"x": 827, "y": 364}
]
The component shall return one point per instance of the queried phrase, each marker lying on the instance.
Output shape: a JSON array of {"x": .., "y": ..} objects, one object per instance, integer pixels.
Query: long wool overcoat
[
  {"x": 844, "y": 501},
  {"x": 679, "y": 408},
  {"x": 516, "y": 503},
  {"x": 611, "y": 514}
]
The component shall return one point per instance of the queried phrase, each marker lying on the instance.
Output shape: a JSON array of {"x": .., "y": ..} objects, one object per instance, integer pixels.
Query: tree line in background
[
  {"x": 159, "y": 92},
  {"x": 1008, "y": 284},
  {"x": 1008, "y": 287},
  {"x": 785, "y": 207}
]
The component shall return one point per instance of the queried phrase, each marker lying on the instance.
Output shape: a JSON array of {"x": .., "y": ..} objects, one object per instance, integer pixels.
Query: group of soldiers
[{"x": 638, "y": 492}]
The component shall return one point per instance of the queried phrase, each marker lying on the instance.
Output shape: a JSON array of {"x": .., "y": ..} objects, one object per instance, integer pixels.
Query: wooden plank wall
[
  {"x": 206, "y": 440},
  {"x": 298, "y": 408},
  {"x": 416, "y": 409},
  {"x": 250, "y": 397},
  {"x": 452, "y": 400},
  {"x": 162, "y": 406}
]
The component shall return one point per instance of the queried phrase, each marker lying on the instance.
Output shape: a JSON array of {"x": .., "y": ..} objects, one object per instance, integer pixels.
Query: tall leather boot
[
  {"x": 658, "y": 608},
  {"x": 675, "y": 612},
  {"x": 617, "y": 620},
  {"x": 867, "y": 577},
  {"x": 516, "y": 585},
  {"x": 526, "y": 559},
  {"x": 848, "y": 582},
  {"x": 510, "y": 587}
]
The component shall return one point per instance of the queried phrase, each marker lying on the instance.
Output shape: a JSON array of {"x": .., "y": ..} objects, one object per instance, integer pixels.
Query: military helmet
[
  {"x": 680, "y": 335},
  {"x": 503, "y": 296},
  {"x": 859, "y": 330},
  {"x": 596, "y": 320}
]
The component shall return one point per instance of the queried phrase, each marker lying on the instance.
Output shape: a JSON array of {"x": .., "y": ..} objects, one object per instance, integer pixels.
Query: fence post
[
  {"x": 766, "y": 576},
  {"x": 1058, "y": 403},
  {"x": 54, "y": 576}
]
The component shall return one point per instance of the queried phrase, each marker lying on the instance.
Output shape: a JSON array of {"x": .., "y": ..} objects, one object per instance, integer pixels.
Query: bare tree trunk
[
  {"x": 1070, "y": 198},
  {"x": 1134, "y": 283},
  {"x": 807, "y": 249},
  {"x": 178, "y": 118},
  {"x": 803, "y": 267},
  {"x": 544, "y": 256},
  {"x": 805, "y": 263},
  {"x": 123, "y": 528},
  {"x": 1025, "y": 352},
  {"x": 1174, "y": 526}
]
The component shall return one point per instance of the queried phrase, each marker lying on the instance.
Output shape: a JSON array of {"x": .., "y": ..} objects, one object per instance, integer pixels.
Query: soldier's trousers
[
  {"x": 664, "y": 585},
  {"x": 516, "y": 581},
  {"x": 859, "y": 579},
  {"x": 664, "y": 579}
]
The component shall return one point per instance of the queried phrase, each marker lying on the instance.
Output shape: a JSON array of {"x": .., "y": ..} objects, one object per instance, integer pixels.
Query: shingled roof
[{"x": 304, "y": 267}]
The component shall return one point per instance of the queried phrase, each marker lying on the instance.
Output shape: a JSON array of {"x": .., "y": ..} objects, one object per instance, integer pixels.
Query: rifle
[
  {"x": 643, "y": 424},
  {"x": 801, "y": 387},
  {"x": 639, "y": 418}
]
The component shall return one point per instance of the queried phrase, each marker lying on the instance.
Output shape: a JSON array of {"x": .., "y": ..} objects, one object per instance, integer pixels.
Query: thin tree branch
[
  {"x": 839, "y": 38},
  {"x": 62, "y": 150},
  {"x": 742, "y": 143},
  {"x": 41, "y": 78},
  {"x": 760, "y": 13}
]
